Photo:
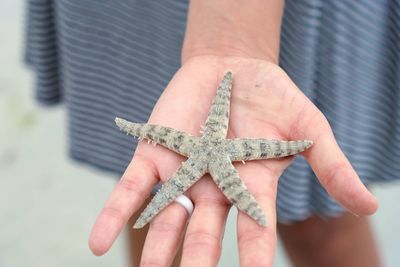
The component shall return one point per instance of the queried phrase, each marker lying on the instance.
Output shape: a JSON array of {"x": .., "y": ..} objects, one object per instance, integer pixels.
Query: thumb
[{"x": 332, "y": 168}]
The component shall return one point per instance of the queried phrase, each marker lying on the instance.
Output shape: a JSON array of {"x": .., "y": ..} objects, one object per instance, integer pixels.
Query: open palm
[{"x": 266, "y": 104}]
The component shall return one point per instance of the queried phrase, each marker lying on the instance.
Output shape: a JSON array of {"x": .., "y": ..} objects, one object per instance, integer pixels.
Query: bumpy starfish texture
[{"x": 210, "y": 153}]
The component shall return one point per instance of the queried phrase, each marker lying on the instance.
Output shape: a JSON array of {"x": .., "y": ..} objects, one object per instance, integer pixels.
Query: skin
[
  {"x": 345, "y": 241},
  {"x": 210, "y": 153},
  {"x": 264, "y": 103},
  {"x": 136, "y": 237},
  {"x": 244, "y": 38}
]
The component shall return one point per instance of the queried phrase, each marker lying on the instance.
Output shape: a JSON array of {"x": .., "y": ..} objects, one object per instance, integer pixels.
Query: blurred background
[{"x": 48, "y": 203}]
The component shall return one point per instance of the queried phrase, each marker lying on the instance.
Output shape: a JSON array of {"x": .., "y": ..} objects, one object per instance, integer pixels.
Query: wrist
[
  {"x": 228, "y": 50},
  {"x": 229, "y": 28}
]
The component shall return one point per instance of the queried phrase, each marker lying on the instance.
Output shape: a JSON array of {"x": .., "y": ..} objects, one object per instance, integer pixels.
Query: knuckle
[
  {"x": 253, "y": 236},
  {"x": 131, "y": 185},
  {"x": 114, "y": 213},
  {"x": 332, "y": 173},
  {"x": 200, "y": 240},
  {"x": 147, "y": 163},
  {"x": 165, "y": 227}
]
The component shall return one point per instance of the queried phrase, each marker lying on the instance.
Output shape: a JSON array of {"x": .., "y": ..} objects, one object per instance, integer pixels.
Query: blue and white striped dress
[{"x": 114, "y": 58}]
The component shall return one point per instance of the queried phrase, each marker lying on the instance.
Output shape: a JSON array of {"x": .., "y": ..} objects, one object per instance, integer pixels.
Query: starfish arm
[
  {"x": 190, "y": 172},
  {"x": 253, "y": 149},
  {"x": 227, "y": 179},
  {"x": 177, "y": 141},
  {"x": 218, "y": 117}
]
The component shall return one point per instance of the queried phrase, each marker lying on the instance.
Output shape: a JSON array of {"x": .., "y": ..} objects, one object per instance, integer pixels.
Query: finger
[
  {"x": 128, "y": 195},
  {"x": 164, "y": 236},
  {"x": 334, "y": 171},
  {"x": 256, "y": 243},
  {"x": 202, "y": 244}
]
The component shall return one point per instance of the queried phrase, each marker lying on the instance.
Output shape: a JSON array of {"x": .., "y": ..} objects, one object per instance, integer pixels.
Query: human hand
[{"x": 264, "y": 103}]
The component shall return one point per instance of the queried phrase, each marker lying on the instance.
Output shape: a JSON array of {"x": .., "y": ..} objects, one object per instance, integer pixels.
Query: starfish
[{"x": 210, "y": 153}]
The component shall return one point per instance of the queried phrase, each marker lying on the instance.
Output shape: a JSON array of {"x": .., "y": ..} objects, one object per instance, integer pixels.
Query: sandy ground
[{"x": 48, "y": 203}]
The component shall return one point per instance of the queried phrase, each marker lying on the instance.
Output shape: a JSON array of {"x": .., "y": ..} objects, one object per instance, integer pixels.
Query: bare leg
[
  {"x": 346, "y": 241},
  {"x": 137, "y": 237}
]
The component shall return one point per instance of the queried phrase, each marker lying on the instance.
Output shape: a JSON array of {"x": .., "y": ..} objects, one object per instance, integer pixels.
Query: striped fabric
[{"x": 113, "y": 58}]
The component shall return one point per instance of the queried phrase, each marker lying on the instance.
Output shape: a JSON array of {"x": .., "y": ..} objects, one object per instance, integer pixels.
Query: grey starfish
[{"x": 210, "y": 153}]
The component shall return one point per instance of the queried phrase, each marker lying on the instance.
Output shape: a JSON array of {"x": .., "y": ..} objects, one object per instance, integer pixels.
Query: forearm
[{"x": 248, "y": 28}]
